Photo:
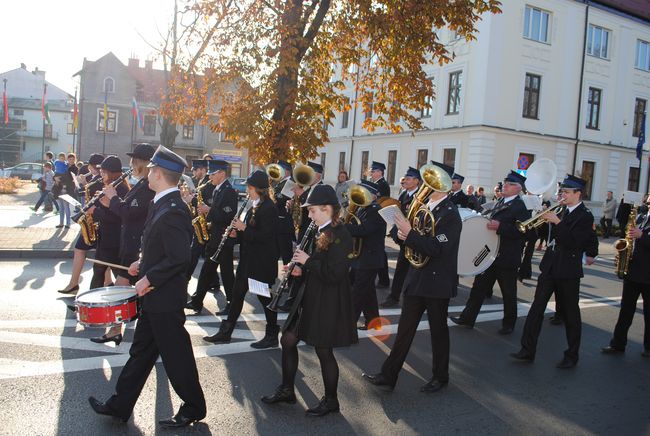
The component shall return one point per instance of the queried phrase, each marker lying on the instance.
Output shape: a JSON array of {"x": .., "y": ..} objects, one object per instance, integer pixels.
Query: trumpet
[{"x": 538, "y": 219}]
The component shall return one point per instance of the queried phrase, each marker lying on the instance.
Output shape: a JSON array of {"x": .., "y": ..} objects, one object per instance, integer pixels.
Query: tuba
[
  {"x": 274, "y": 171},
  {"x": 303, "y": 176},
  {"x": 199, "y": 224},
  {"x": 359, "y": 196},
  {"x": 436, "y": 179},
  {"x": 625, "y": 248}
]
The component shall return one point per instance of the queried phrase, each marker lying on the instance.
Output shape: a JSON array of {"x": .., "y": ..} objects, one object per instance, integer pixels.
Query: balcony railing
[{"x": 37, "y": 134}]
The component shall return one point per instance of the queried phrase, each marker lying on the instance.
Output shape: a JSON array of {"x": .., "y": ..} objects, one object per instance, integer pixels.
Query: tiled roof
[{"x": 638, "y": 8}]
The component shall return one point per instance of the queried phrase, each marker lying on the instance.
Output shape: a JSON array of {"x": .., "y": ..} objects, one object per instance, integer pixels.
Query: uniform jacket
[
  {"x": 207, "y": 192},
  {"x": 459, "y": 198},
  {"x": 166, "y": 254},
  {"x": 258, "y": 246},
  {"x": 384, "y": 187},
  {"x": 639, "y": 270},
  {"x": 222, "y": 211},
  {"x": 573, "y": 236},
  {"x": 285, "y": 222},
  {"x": 110, "y": 223},
  {"x": 511, "y": 242},
  {"x": 372, "y": 232}
]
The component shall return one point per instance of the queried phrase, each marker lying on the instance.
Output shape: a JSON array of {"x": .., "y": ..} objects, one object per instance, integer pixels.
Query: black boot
[
  {"x": 270, "y": 339},
  {"x": 223, "y": 335},
  {"x": 325, "y": 406}
]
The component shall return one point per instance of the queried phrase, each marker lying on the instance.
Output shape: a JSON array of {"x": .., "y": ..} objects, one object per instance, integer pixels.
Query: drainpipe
[{"x": 582, "y": 75}]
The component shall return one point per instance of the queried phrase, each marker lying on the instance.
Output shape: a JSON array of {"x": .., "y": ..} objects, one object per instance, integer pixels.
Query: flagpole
[
  {"x": 105, "y": 122},
  {"x": 74, "y": 127}
]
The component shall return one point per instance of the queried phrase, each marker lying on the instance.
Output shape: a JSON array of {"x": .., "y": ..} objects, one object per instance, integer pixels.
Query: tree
[{"x": 271, "y": 73}]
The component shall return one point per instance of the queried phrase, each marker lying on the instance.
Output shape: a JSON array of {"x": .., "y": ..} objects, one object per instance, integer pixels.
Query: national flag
[
  {"x": 135, "y": 110},
  {"x": 5, "y": 106},
  {"x": 45, "y": 109},
  {"x": 639, "y": 145},
  {"x": 105, "y": 112},
  {"x": 75, "y": 113}
]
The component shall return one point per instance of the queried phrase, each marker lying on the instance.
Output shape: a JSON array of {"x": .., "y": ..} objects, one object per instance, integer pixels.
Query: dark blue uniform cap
[
  {"x": 412, "y": 172},
  {"x": 458, "y": 177},
  {"x": 573, "y": 182},
  {"x": 371, "y": 186},
  {"x": 447, "y": 168},
  {"x": 377, "y": 166},
  {"x": 316, "y": 166},
  {"x": 258, "y": 179},
  {"x": 112, "y": 163},
  {"x": 321, "y": 195},
  {"x": 217, "y": 165},
  {"x": 284, "y": 164},
  {"x": 167, "y": 159},
  {"x": 199, "y": 163},
  {"x": 515, "y": 177}
]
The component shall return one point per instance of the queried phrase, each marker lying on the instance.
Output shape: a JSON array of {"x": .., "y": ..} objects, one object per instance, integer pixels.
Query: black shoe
[
  {"x": 566, "y": 363},
  {"x": 556, "y": 320},
  {"x": 68, "y": 291},
  {"x": 268, "y": 341},
  {"x": 194, "y": 309},
  {"x": 523, "y": 356},
  {"x": 224, "y": 311},
  {"x": 177, "y": 421},
  {"x": 382, "y": 285},
  {"x": 380, "y": 381},
  {"x": 505, "y": 330},
  {"x": 612, "y": 350},
  {"x": 456, "y": 320},
  {"x": 60, "y": 226},
  {"x": 281, "y": 395},
  {"x": 433, "y": 386},
  {"x": 645, "y": 353},
  {"x": 325, "y": 406},
  {"x": 222, "y": 336},
  {"x": 103, "y": 409},
  {"x": 71, "y": 307},
  {"x": 103, "y": 339},
  {"x": 389, "y": 302}
]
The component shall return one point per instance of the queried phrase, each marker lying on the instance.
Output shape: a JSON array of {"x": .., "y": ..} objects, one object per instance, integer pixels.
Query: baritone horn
[
  {"x": 358, "y": 196},
  {"x": 274, "y": 171}
]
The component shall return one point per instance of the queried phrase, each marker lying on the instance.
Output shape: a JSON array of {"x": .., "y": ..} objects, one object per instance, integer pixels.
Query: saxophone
[
  {"x": 199, "y": 223},
  {"x": 625, "y": 247},
  {"x": 86, "y": 222}
]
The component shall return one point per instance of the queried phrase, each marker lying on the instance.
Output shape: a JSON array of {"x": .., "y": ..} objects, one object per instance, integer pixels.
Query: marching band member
[
  {"x": 258, "y": 260},
  {"x": 163, "y": 287},
  {"x": 286, "y": 232},
  {"x": 458, "y": 197},
  {"x": 323, "y": 316},
  {"x": 377, "y": 170},
  {"x": 411, "y": 183},
  {"x": 372, "y": 231},
  {"x": 428, "y": 288},
  {"x": 503, "y": 220},
  {"x": 561, "y": 269},
  {"x": 132, "y": 211},
  {"x": 200, "y": 178},
  {"x": 220, "y": 214}
]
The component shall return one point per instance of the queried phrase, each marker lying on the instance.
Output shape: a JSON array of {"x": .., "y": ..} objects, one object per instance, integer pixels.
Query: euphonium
[
  {"x": 303, "y": 176},
  {"x": 538, "y": 219},
  {"x": 274, "y": 171},
  {"x": 422, "y": 221},
  {"x": 625, "y": 248},
  {"x": 359, "y": 196},
  {"x": 199, "y": 223}
]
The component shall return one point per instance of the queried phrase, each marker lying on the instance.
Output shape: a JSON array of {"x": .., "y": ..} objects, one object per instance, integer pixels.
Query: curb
[{"x": 36, "y": 254}]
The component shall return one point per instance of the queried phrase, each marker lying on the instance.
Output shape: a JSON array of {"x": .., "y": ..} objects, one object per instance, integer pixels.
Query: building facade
[{"x": 557, "y": 79}]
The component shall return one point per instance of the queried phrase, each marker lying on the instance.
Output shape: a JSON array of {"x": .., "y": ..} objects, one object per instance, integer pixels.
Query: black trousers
[
  {"x": 237, "y": 304},
  {"x": 526, "y": 267},
  {"x": 568, "y": 292},
  {"x": 483, "y": 284},
  {"x": 364, "y": 294},
  {"x": 107, "y": 254},
  {"x": 164, "y": 335},
  {"x": 209, "y": 276},
  {"x": 285, "y": 244},
  {"x": 631, "y": 293},
  {"x": 197, "y": 250},
  {"x": 412, "y": 310},
  {"x": 383, "y": 278},
  {"x": 607, "y": 231},
  {"x": 401, "y": 268}
]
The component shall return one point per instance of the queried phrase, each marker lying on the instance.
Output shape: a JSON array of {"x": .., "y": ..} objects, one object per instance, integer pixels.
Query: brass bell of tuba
[
  {"x": 422, "y": 221},
  {"x": 304, "y": 176},
  {"x": 358, "y": 196},
  {"x": 274, "y": 171}
]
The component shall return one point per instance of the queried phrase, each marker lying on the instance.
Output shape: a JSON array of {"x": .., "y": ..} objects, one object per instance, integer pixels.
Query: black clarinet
[
  {"x": 95, "y": 200},
  {"x": 284, "y": 287},
  {"x": 224, "y": 238}
]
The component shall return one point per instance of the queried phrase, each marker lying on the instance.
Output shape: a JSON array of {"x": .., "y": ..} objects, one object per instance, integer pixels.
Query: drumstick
[{"x": 112, "y": 265}]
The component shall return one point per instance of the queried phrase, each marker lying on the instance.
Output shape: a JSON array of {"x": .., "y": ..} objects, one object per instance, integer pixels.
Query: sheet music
[
  {"x": 389, "y": 213},
  {"x": 488, "y": 206},
  {"x": 70, "y": 200},
  {"x": 258, "y": 288},
  {"x": 190, "y": 183},
  {"x": 287, "y": 190}
]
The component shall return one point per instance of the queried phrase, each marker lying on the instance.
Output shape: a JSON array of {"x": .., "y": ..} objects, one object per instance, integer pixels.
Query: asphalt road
[{"x": 48, "y": 368}]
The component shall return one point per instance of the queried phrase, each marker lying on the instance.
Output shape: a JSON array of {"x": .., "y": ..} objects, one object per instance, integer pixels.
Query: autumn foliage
[{"x": 271, "y": 74}]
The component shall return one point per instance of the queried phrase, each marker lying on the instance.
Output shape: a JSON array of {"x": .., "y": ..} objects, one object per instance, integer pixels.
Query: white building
[
  {"x": 519, "y": 92},
  {"x": 25, "y": 137}
]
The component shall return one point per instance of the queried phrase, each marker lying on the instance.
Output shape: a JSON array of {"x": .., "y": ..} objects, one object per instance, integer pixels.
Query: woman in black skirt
[{"x": 322, "y": 314}]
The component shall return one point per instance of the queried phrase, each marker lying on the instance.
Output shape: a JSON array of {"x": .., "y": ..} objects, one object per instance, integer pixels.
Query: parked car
[
  {"x": 24, "y": 171},
  {"x": 239, "y": 184}
]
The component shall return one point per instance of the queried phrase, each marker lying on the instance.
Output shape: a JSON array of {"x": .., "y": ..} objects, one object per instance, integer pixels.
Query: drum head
[
  {"x": 109, "y": 294},
  {"x": 478, "y": 246}
]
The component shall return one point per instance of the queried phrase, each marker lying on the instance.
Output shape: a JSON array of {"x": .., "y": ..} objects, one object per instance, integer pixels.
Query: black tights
[{"x": 329, "y": 367}]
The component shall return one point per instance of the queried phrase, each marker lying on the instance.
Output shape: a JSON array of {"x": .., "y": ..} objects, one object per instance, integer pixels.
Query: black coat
[
  {"x": 459, "y": 198},
  {"x": 166, "y": 254},
  {"x": 573, "y": 236},
  {"x": 438, "y": 278},
  {"x": 258, "y": 245},
  {"x": 325, "y": 317},
  {"x": 405, "y": 202},
  {"x": 285, "y": 222},
  {"x": 384, "y": 187},
  {"x": 639, "y": 270},
  {"x": 511, "y": 240},
  {"x": 110, "y": 222},
  {"x": 372, "y": 232},
  {"x": 222, "y": 211},
  {"x": 132, "y": 211}
]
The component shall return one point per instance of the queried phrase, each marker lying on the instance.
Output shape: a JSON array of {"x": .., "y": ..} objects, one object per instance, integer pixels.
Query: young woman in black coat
[{"x": 322, "y": 315}]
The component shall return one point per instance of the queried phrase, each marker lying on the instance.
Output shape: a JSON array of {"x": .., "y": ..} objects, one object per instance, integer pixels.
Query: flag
[
  {"x": 639, "y": 145},
  {"x": 135, "y": 110},
  {"x": 105, "y": 112},
  {"x": 45, "y": 109},
  {"x": 5, "y": 106},
  {"x": 75, "y": 113}
]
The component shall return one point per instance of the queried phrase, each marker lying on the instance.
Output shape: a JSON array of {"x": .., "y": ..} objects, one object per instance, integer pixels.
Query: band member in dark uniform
[
  {"x": 110, "y": 224},
  {"x": 132, "y": 211},
  {"x": 258, "y": 260},
  {"x": 286, "y": 232},
  {"x": 322, "y": 314},
  {"x": 561, "y": 269},
  {"x": 428, "y": 288},
  {"x": 637, "y": 282},
  {"x": 508, "y": 210},
  {"x": 371, "y": 231},
  {"x": 202, "y": 181},
  {"x": 220, "y": 215},
  {"x": 411, "y": 183},
  {"x": 458, "y": 197},
  {"x": 377, "y": 170},
  {"x": 162, "y": 285}
]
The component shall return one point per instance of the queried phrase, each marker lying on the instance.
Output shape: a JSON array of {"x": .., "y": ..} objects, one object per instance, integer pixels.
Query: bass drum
[{"x": 478, "y": 246}]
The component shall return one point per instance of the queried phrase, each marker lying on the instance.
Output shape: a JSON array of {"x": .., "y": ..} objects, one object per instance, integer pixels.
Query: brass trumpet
[{"x": 537, "y": 219}]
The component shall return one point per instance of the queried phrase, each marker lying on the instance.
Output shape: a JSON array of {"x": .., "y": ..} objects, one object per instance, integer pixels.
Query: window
[
  {"x": 593, "y": 108},
  {"x": 597, "y": 42},
  {"x": 323, "y": 158},
  {"x": 536, "y": 24},
  {"x": 425, "y": 112},
  {"x": 531, "y": 96},
  {"x": 346, "y": 116},
  {"x": 368, "y": 113},
  {"x": 342, "y": 161},
  {"x": 364, "y": 164},
  {"x": 188, "y": 132},
  {"x": 111, "y": 125},
  {"x": 390, "y": 170},
  {"x": 423, "y": 157},
  {"x": 109, "y": 85},
  {"x": 633, "y": 179},
  {"x": 639, "y": 109},
  {"x": 47, "y": 131},
  {"x": 453, "y": 99},
  {"x": 149, "y": 125},
  {"x": 449, "y": 157},
  {"x": 642, "y": 55},
  {"x": 588, "y": 174},
  {"x": 19, "y": 112},
  {"x": 235, "y": 170},
  {"x": 70, "y": 129}
]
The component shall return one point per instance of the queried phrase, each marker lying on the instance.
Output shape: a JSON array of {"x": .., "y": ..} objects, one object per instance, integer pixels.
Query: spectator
[
  {"x": 472, "y": 199},
  {"x": 60, "y": 165},
  {"x": 497, "y": 191},
  {"x": 45, "y": 184},
  {"x": 342, "y": 186},
  {"x": 480, "y": 193},
  {"x": 609, "y": 211},
  {"x": 72, "y": 164}
]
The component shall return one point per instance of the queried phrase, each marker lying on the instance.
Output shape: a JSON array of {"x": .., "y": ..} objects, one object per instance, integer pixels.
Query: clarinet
[
  {"x": 224, "y": 238},
  {"x": 95, "y": 200},
  {"x": 283, "y": 287}
]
